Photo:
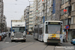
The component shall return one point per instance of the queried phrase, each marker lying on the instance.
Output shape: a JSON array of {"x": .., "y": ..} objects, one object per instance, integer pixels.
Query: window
[
  {"x": 40, "y": 31},
  {"x": 62, "y": 12},
  {"x": 66, "y": 0},
  {"x": 62, "y": 1},
  {"x": 18, "y": 29},
  {"x": 66, "y": 22},
  {"x": 53, "y": 29},
  {"x": 30, "y": 14},
  {"x": 73, "y": 7},
  {"x": 30, "y": 22},
  {"x": 71, "y": 20},
  {"x": 48, "y": 10},
  {"x": 31, "y": 25},
  {"x": 30, "y": 18},
  {"x": 74, "y": 20},
  {"x": 67, "y": 10}
]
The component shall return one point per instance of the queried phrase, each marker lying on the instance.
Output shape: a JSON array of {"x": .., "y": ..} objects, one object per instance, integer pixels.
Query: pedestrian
[{"x": 9, "y": 34}]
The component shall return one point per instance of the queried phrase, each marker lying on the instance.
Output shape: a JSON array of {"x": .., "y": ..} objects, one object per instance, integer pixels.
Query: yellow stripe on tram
[{"x": 53, "y": 35}]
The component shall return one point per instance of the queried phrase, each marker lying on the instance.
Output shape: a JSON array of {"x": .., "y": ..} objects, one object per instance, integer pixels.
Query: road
[{"x": 32, "y": 44}]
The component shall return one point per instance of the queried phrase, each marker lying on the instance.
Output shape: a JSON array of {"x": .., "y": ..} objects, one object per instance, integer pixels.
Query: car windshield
[
  {"x": 18, "y": 29},
  {"x": 53, "y": 29}
]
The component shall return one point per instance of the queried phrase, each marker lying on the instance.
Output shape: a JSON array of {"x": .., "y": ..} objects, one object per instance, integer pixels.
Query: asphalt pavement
[{"x": 32, "y": 44}]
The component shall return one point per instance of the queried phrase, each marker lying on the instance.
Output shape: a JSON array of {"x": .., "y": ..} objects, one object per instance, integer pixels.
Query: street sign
[{"x": 67, "y": 27}]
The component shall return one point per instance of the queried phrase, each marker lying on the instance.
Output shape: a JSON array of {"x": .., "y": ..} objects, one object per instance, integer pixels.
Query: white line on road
[{"x": 6, "y": 42}]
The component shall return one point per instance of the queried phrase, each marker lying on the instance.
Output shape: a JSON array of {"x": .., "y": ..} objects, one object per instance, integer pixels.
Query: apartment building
[
  {"x": 4, "y": 24},
  {"x": 35, "y": 12},
  {"x": 26, "y": 17},
  {"x": 31, "y": 19},
  {"x": 48, "y": 10},
  {"x": 1, "y": 14},
  {"x": 72, "y": 26},
  {"x": 66, "y": 17}
]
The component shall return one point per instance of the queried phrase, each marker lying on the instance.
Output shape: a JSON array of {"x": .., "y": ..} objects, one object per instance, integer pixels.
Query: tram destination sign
[{"x": 54, "y": 23}]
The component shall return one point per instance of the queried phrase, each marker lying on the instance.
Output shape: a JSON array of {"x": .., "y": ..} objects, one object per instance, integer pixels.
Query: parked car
[
  {"x": 1, "y": 37},
  {"x": 4, "y": 35},
  {"x": 73, "y": 41}
]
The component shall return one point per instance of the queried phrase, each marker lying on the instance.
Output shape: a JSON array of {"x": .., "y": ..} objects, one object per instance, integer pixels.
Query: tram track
[
  {"x": 28, "y": 45},
  {"x": 45, "y": 47}
]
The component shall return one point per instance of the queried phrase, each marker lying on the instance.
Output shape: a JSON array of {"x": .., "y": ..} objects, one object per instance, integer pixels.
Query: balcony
[
  {"x": 30, "y": 23},
  {"x": 65, "y": 5}
]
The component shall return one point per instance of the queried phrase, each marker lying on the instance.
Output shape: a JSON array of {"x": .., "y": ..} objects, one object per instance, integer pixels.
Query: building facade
[
  {"x": 35, "y": 12},
  {"x": 72, "y": 26},
  {"x": 31, "y": 19},
  {"x": 66, "y": 17},
  {"x": 26, "y": 17},
  {"x": 1, "y": 14},
  {"x": 48, "y": 10},
  {"x": 54, "y": 10},
  {"x": 4, "y": 24}
]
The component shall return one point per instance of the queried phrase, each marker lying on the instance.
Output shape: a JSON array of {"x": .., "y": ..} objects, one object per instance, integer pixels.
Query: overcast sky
[{"x": 14, "y": 9}]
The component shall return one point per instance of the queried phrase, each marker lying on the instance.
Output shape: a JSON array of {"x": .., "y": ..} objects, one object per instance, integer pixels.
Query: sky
[{"x": 14, "y": 9}]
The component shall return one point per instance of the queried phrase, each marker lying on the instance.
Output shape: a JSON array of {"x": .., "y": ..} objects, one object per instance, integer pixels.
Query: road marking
[
  {"x": 12, "y": 46},
  {"x": 6, "y": 42},
  {"x": 5, "y": 38}
]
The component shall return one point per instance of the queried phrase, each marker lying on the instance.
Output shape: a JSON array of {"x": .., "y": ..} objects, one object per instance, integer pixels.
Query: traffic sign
[{"x": 67, "y": 27}]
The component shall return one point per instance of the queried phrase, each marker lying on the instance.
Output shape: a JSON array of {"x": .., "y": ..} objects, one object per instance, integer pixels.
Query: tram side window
[
  {"x": 46, "y": 28},
  {"x": 61, "y": 29},
  {"x": 40, "y": 31},
  {"x": 36, "y": 31}
]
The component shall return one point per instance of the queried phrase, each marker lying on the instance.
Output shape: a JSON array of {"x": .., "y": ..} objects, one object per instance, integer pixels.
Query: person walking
[{"x": 9, "y": 34}]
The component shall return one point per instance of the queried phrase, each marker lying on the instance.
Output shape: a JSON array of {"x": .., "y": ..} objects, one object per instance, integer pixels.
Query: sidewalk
[{"x": 67, "y": 44}]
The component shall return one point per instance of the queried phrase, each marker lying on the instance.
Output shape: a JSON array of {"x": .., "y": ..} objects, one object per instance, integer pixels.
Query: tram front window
[{"x": 53, "y": 29}]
